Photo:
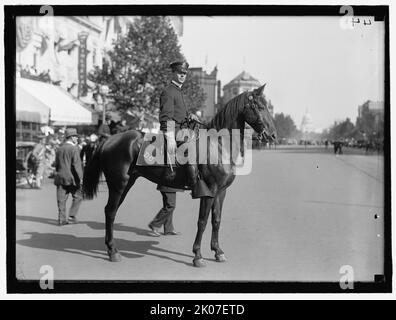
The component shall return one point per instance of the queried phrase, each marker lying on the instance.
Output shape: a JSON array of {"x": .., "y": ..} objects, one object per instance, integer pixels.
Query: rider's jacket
[{"x": 172, "y": 107}]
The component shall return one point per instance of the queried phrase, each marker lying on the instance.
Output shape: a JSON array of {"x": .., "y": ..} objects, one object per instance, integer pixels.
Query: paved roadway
[{"x": 299, "y": 216}]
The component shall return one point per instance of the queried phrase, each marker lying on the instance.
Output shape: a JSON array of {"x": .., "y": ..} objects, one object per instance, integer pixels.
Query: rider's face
[{"x": 179, "y": 76}]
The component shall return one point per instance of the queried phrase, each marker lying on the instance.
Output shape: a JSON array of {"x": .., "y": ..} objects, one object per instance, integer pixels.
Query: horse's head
[{"x": 257, "y": 115}]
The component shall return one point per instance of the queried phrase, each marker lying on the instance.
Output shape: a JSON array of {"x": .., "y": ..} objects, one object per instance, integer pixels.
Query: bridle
[{"x": 263, "y": 134}]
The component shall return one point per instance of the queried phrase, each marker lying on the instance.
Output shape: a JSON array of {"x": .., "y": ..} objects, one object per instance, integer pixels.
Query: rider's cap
[{"x": 179, "y": 66}]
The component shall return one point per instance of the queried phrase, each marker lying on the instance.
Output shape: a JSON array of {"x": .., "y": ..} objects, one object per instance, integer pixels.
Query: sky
[{"x": 310, "y": 64}]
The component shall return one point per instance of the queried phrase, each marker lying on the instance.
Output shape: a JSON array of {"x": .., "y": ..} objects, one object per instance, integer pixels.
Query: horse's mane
[{"x": 228, "y": 114}]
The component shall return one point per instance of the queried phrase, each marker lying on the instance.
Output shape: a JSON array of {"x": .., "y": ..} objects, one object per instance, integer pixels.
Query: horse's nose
[{"x": 273, "y": 136}]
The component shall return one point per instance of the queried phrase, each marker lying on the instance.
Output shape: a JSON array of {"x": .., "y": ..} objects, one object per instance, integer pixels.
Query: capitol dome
[{"x": 307, "y": 123}]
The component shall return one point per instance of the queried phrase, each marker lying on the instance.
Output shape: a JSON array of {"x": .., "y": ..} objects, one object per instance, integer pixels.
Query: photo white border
[{"x": 193, "y": 296}]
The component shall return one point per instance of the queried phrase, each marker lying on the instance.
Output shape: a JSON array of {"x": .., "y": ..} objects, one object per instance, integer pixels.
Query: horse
[{"x": 116, "y": 157}]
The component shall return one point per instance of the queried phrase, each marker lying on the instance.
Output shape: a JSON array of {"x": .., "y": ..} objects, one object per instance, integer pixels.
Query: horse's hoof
[
  {"x": 220, "y": 257},
  {"x": 199, "y": 263},
  {"x": 115, "y": 257}
]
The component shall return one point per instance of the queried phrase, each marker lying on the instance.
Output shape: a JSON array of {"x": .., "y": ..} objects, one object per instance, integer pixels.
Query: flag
[
  {"x": 68, "y": 46},
  {"x": 117, "y": 25}
]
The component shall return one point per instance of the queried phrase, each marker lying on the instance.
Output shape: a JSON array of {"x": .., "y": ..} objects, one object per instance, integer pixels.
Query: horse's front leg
[
  {"x": 204, "y": 209},
  {"x": 217, "y": 208}
]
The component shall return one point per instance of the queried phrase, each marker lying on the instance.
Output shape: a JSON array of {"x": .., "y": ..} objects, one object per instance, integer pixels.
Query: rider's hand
[
  {"x": 171, "y": 142},
  {"x": 193, "y": 117}
]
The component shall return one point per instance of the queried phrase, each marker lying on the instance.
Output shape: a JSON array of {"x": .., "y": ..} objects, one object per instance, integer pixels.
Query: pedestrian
[
  {"x": 104, "y": 130},
  {"x": 38, "y": 160},
  {"x": 88, "y": 150},
  {"x": 113, "y": 126},
  {"x": 165, "y": 216},
  {"x": 121, "y": 126},
  {"x": 68, "y": 177}
]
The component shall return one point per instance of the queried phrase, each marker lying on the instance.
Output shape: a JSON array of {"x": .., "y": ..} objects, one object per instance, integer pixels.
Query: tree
[
  {"x": 341, "y": 130},
  {"x": 139, "y": 67},
  {"x": 285, "y": 126}
]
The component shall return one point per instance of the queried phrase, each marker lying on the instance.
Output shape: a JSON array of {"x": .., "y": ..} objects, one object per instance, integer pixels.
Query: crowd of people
[{"x": 42, "y": 158}]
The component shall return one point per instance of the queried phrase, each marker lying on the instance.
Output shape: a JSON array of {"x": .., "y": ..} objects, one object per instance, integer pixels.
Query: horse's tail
[{"x": 92, "y": 173}]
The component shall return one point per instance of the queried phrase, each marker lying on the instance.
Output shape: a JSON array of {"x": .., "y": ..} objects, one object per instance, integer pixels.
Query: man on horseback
[{"x": 173, "y": 109}]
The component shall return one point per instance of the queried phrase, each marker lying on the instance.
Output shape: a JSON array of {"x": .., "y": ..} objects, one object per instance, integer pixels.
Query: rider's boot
[{"x": 199, "y": 189}]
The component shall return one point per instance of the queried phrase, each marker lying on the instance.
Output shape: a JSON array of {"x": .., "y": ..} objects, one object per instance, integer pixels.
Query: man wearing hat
[{"x": 68, "y": 177}]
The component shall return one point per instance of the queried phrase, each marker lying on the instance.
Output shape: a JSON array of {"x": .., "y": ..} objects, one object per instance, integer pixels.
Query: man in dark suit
[{"x": 68, "y": 177}]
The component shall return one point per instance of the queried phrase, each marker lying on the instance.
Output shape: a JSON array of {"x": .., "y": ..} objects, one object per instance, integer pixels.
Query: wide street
[{"x": 299, "y": 216}]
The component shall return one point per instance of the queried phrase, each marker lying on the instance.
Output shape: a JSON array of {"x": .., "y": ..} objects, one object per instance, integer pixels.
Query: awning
[
  {"x": 29, "y": 108},
  {"x": 39, "y": 96}
]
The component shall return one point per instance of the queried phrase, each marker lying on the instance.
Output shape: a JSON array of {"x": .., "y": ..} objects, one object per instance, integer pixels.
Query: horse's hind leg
[
  {"x": 110, "y": 213},
  {"x": 131, "y": 182},
  {"x": 216, "y": 219},
  {"x": 204, "y": 209}
]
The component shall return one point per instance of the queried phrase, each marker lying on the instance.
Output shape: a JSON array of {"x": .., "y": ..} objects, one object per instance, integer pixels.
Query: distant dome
[{"x": 307, "y": 123}]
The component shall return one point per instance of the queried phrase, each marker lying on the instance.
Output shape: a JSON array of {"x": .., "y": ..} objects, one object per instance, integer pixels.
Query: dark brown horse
[{"x": 117, "y": 157}]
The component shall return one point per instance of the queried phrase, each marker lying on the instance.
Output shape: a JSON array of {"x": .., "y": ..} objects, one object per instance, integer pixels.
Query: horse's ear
[{"x": 259, "y": 91}]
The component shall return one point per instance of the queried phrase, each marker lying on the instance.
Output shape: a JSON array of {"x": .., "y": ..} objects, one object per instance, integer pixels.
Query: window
[
  {"x": 25, "y": 125},
  {"x": 26, "y": 136}
]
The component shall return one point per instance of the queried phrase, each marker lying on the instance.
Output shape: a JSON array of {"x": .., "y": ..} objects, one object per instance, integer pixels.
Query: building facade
[
  {"x": 209, "y": 83},
  {"x": 241, "y": 83},
  {"x": 376, "y": 108},
  {"x": 67, "y": 48},
  {"x": 54, "y": 55}
]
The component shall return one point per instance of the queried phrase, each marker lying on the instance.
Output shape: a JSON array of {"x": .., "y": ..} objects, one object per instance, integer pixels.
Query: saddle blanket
[{"x": 152, "y": 153}]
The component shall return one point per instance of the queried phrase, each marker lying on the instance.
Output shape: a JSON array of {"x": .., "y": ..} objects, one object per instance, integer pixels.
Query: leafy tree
[
  {"x": 139, "y": 67},
  {"x": 285, "y": 126},
  {"x": 344, "y": 129}
]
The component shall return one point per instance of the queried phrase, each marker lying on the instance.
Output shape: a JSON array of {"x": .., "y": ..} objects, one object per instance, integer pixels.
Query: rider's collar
[{"x": 177, "y": 84}]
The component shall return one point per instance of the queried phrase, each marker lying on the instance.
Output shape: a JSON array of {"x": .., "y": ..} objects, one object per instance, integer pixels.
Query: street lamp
[{"x": 104, "y": 91}]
